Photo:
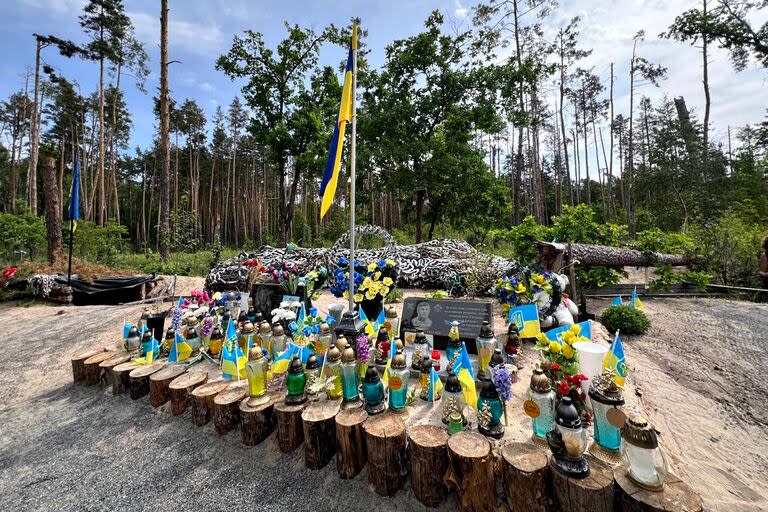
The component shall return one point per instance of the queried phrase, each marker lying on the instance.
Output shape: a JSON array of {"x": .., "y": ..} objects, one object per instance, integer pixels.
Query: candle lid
[
  {"x": 325, "y": 328},
  {"x": 540, "y": 382},
  {"x": 391, "y": 312},
  {"x": 566, "y": 414},
  {"x": 638, "y": 432},
  {"x": 485, "y": 330},
  {"x": 398, "y": 361},
  {"x": 348, "y": 356},
  {"x": 452, "y": 384},
  {"x": 312, "y": 362},
  {"x": 278, "y": 330},
  {"x": 371, "y": 375},
  {"x": 295, "y": 366},
  {"x": 420, "y": 336},
  {"x": 334, "y": 354},
  {"x": 255, "y": 354},
  {"x": 264, "y": 328},
  {"x": 383, "y": 335}
]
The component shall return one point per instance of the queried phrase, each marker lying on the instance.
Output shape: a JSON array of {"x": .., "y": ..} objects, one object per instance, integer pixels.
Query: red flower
[
  {"x": 555, "y": 367},
  {"x": 563, "y": 388},
  {"x": 574, "y": 380},
  {"x": 580, "y": 377},
  {"x": 9, "y": 272}
]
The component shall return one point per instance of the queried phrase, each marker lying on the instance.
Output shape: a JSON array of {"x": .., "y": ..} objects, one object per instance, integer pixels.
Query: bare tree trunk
[
  {"x": 163, "y": 220},
  {"x": 519, "y": 157},
  {"x": 630, "y": 156},
  {"x": 610, "y": 151},
  {"x": 707, "y": 99},
  {"x": 34, "y": 135},
  {"x": 102, "y": 191},
  {"x": 52, "y": 209}
]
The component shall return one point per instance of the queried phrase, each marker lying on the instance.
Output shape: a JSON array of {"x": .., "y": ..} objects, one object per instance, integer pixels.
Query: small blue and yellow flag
[
  {"x": 232, "y": 357},
  {"x": 435, "y": 385},
  {"x": 385, "y": 375},
  {"x": 634, "y": 301},
  {"x": 463, "y": 370},
  {"x": 615, "y": 359},
  {"x": 331, "y": 173},
  {"x": 617, "y": 301},
  {"x": 151, "y": 349},
  {"x": 180, "y": 349},
  {"x": 74, "y": 196},
  {"x": 585, "y": 329},
  {"x": 526, "y": 318}
]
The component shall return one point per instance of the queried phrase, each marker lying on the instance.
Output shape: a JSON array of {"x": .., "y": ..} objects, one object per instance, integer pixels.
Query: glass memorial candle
[
  {"x": 540, "y": 405},
  {"x": 278, "y": 341},
  {"x": 295, "y": 382},
  {"x": 312, "y": 369},
  {"x": 606, "y": 399},
  {"x": 452, "y": 399},
  {"x": 392, "y": 323},
  {"x": 133, "y": 340},
  {"x": 349, "y": 373},
  {"x": 383, "y": 346},
  {"x": 568, "y": 441},
  {"x": 256, "y": 372},
  {"x": 324, "y": 340},
  {"x": 333, "y": 369},
  {"x": 373, "y": 392},
  {"x": 247, "y": 332},
  {"x": 490, "y": 410},
  {"x": 398, "y": 383},
  {"x": 421, "y": 348},
  {"x": 641, "y": 454},
  {"x": 486, "y": 343},
  {"x": 453, "y": 350}
]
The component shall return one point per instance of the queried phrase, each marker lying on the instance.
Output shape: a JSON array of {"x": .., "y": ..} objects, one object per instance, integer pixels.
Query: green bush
[
  {"x": 97, "y": 244},
  {"x": 21, "y": 237},
  {"x": 626, "y": 320}
]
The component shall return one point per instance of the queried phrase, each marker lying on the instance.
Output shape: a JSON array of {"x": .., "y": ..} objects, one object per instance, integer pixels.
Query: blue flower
[
  {"x": 313, "y": 311},
  {"x": 293, "y": 326},
  {"x": 330, "y": 320},
  {"x": 382, "y": 263},
  {"x": 343, "y": 261},
  {"x": 306, "y": 331},
  {"x": 315, "y": 329}
]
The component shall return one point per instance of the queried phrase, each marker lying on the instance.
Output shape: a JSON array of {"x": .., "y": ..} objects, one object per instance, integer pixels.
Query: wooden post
[
  {"x": 159, "y": 381},
  {"x": 385, "y": 441},
  {"x": 202, "y": 400},
  {"x": 139, "y": 379},
  {"x": 319, "y": 424},
  {"x": 257, "y": 418},
  {"x": 91, "y": 366},
  {"x": 290, "y": 430},
  {"x": 429, "y": 463},
  {"x": 120, "y": 377},
  {"x": 526, "y": 480},
  {"x": 591, "y": 494},
  {"x": 180, "y": 390},
  {"x": 676, "y": 496},
  {"x": 78, "y": 360},
  {"x": 226, "y": 407},
  {"x": 350, "y": 442},
  {"x": 105, "y": 367},
  {"x": 470, "y": 471}
]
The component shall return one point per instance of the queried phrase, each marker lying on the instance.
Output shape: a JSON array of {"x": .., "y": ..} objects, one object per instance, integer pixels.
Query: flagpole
[
  {"x": 352, "y": 173},
  {"x": 71, "y": 237}
]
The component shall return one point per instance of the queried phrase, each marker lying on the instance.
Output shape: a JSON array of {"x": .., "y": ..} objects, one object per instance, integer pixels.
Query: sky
[{"x": 201, "y": 30}]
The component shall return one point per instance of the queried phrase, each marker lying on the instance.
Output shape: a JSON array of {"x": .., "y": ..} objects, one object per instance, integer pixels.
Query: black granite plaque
[{"x": 435, "y": 317}]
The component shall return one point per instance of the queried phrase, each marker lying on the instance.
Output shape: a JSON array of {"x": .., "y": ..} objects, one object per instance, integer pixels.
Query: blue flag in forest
[{"x": 74, "y": 196}]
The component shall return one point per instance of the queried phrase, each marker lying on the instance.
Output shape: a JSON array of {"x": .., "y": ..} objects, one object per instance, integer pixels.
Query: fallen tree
[{"x": 554, "y": 256}]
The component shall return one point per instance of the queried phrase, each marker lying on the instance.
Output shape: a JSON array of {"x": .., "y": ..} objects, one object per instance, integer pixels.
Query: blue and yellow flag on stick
[
  {"x": 463, "y": 370},
  {"x": 151, "y": 349},
  {"x": 634, "y": 301},
  {"x": 617, "y": 301},
  {"x": 385, "y": 375},
  {"x": 331, "y": 173},
  {"x": 232, "y": 357},
  {"x": 435, "y": 385},
  {"x": 74, "y": 196},
  {"x": 615, "y": 360},
  {"x": 526, "y": 318},
  {"x": 585, "y": 329},
  {"x": 180, "y": 349}
]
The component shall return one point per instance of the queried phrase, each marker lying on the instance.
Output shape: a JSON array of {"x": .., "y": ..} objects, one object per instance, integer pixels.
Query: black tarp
[{"x": 106, "y": 290}]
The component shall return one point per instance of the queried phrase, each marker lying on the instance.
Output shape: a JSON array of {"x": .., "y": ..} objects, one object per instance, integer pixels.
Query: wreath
[{"x": 520, "y": 284}]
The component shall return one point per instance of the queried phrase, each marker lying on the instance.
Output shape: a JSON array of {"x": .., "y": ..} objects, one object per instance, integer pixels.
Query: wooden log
[
  {"x": 470, "y": 471},
  {"x": 385, "y": 441},
  {"x": 226, "y": 407},
  {"x": 526, "y": 480},
  {"x": 78, "y": 360},
  {"x": 159, "y": 382},
  {"x": 91, "y": 366},
  {"x": 202, "y": 400},
  {"x": 180, "y": 390},
  {"x": 676, "y": 496},
  {"x": 429, "y": 463},
  {"x": 105, "y": 367},
  {"x": 257, "y": 418},
  {"x": 591, "y": 494},
  {"x": 121, "y": 381},
  {"x": 319, "y": 425},
  {"x": 139, "y": 379},
  {"x": 350, "y": 442},
  {"x": 589, "y": 255},
  {"x": 290, "y": 428}
]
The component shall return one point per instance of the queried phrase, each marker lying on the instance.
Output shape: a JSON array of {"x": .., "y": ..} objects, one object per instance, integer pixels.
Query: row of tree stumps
[{"x": 465, "y": 463}]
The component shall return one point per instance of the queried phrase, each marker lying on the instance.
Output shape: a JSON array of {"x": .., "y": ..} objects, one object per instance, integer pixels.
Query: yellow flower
[
  {"x": 538, "y": 278},
  {"x": 370, "y": 294},
  {"x": 387, "y": 281},
  {"x": 367, "y": 282},
  {"x": 568, "y": 351},
  {"x": 377, "y": 276},
  {"x": 569, "y": 337},
  {"x": 542, "y": 338},
  {"x": 576, "y": 329},
  {"x": 385, "y": 291},
  {"x": 505, "y": 308},
  {"x": 345, "y": 294},
  {"x": 554, "y": 347},
  {"x": 390, "y": 262},
  {"x": 358, "y": 297},
  {"x": 371, "y": 267},
  {"x": 520, "y": 288}
]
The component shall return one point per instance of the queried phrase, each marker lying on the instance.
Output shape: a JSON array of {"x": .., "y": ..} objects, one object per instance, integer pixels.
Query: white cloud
[
  {"x": 207, "y": 87},
  {"x": 460, "y": 11},
  {"x": 199, "y": 38},
  {"x": 54, "y": 5}
]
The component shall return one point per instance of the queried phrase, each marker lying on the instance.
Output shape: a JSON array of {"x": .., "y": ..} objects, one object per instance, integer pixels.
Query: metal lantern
[
  {"x": 256, "y": 372},
  {"x": 421, "y": 348},
  {"x": 453, "y": 350},
  {"x": 540, "y": 405},
  {"x": 490, "y": 409},
  {"x": 324, "y": 340},
  {"x": 351, "y": 326},
  {"x": 312, "y": 370},
  {"x": 295, "y": 382},
  {"x": 641, "y": 454},
  {"x": 568, "y": 441},
  {"x": 333, "y": 368},
  {"x": 278, "y": 341},
  {"x": 398, "y": 383},
  {"x": 486, "y": 343},
  {"x": 392, "y": 323},
  {"x": 453, "y": 401},
  {"x": 373, "y": 392},
  {"x": 133, "y": 340},
  {"x": 349, "y": 377},
  {"x": 512, "y": 346},
  {"x": 606, "y": 397},
  {"x": 382, "y": 347}
]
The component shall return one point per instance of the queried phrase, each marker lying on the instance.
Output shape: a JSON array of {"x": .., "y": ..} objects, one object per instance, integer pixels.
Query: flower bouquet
[
  {"x": 527, "y": 285},
  {"x": 372, "y": 282},
  {"x": 286, "y": 275},
  {"x": 560, "y": 362}
]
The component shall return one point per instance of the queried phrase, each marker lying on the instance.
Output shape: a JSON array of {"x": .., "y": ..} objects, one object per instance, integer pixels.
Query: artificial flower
[
  {"x": 542, "y": 339},
  {"x": 358, "y": 297},
  {"x": 554, "y": 347},
  {"x": 387, "y": 281},
  {"x": 563, "y": 388},
  {"x": 568, "y": 351},
  {"x": 390, "y": 262},
  {"x": 520, "y": 288},
  {"x": 538, "y": 278},
  {"x": 377, "y": 276},
  {"x": 371, "y": 267},
  {"x": 554, "y": 367}
]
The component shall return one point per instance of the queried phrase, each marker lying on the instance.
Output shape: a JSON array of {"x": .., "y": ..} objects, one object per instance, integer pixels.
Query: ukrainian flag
[
  {"x": 180, "y": 349},
  {"x": 435, "y": 385},
  {"x": 385, "y": 375},
  {"x": 526, "y": 318},
  {"x": 635, "y": 301},
  {"x": 74, "y": 196},
  {"x": 463, "y": 370},
  {"x": 152, "y": 348},
  {"x": 615, "y": 359},
  {"x": 232, "y": 358},
  {"x": 617, "y": 301},
  {"x": 331, "y": 173}
]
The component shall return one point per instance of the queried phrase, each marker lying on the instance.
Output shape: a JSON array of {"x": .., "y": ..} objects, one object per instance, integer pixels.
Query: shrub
[
  {"x": 625, "y": 319},
  {"x": 21, "y": 236}
]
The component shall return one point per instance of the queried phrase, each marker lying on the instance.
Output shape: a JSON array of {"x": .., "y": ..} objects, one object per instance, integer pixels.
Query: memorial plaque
[{"x": 435, "y": 317}]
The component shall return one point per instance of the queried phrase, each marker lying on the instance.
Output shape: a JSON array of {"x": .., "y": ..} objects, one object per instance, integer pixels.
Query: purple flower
[
  {"x": 207, "y": 326},
  {"x": 503, "y": 381},
  {"x": 175, "y": 318},
  {"x": 362, "y": 348}
]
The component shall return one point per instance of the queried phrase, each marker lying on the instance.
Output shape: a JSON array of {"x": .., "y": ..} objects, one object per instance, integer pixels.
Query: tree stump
[
  {"x": 429, "y": 463},
  {"x": 180, "y": 390},
  {"x": 159, "y": 382},
  {"x": 319, "y": 424},
  {"x": 385, "y": 441},
  {"x": 290, "y": 429},
  {"x": 257, "y": 418},
  {"x": 470, "y": 471},
  {"x": 676, "y": 496},
  {"x": 91, "y": 367},
  {"x": 350, "y": 442},
  {"x": 591, "y": 494},
  {"x": 105, "y": 367},
  {"x": 202, "y": 400},
  {"x": 139, "y": 378},
  {"x": 526, "y": 482},
  {"x": 78, "y": 360},
  {"x": 121, "y": 381},
  {"x": 226, "y": 407}
]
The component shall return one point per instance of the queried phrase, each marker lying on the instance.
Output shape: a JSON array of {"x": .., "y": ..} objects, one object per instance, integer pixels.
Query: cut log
[
  {"x": 676, "y": 496},
  {"x": 526, "y": 483},
  {"x": 257, "y": 418},
  {"x": 319, "y": 425},
  {"x": 553, "y": 256},
  {"x": 121, "y": 381},
  {"x": 159, "y": 382},
  {"x": 385, "y": 442},
  {"x": 105, "y": 367},
  {"x": 91, "y": 366},
  {"x": 78, "y": 360},
  {"x": 470, "y": 471},
  {"x": 140, "y": 379},
  {"x": 202, "y": 400},
  {"x": 591, "y": 494},
  {"x": 290, "y": 428},
  {"x": 226, "y": 407},
  {"x": 180, "y": 390},
  {"x": 429, "y": 463},
  {"x": 350, "y": 442}
]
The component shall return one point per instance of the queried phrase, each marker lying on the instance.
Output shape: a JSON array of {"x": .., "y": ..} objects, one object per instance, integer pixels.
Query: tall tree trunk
[
  {"x": 519, "y": 157},
  {"x": 34, "y": 135},
  {"x": 630, "y": 156},
  {"x": 102, "y": 191},
  {"x": 163, "y": 221},
  {"x": 610, "y": 152},
  {"x": 52, "y": 209},
  {"x": 586, "y": 148},
  {"x": 707, "y": 99},
  {"x": 562, "y": 124}
]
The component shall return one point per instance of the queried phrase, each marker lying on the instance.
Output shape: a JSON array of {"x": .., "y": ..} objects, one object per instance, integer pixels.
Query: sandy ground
[{"x": 697, "y": 374}]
